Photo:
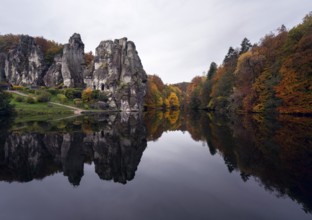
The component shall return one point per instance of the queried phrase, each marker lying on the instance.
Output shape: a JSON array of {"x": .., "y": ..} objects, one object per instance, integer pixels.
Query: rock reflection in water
[
  {"x": 114, "y": 143},
  {"x": 276, "y": 152}
]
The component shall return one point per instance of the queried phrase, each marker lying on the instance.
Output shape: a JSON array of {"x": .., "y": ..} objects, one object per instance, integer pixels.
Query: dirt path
[
  {"x": 18, "y": 93},
  {"x": 77, "y": 111}
]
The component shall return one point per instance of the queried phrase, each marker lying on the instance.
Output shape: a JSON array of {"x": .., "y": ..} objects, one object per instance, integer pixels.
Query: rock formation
[
  {"x": 119, "y": 73},
  {"x": 54, "y": 77},
  {"x": 73, "y": 62},
  {"x": 24, "y": 65},
  {"x": 116, "y": 69},
  {"x": 2, "y": 67}
]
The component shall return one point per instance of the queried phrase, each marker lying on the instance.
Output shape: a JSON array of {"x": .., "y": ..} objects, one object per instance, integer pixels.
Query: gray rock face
[
  {"x": 54, "y": 77},
  {"x": 73, "y": 62},
  {"x": 2, "y": 66},
  {"x": 119, "y": 73},
  {"x": 116, "y": 70},
  {"x": 25, "y": 64}
]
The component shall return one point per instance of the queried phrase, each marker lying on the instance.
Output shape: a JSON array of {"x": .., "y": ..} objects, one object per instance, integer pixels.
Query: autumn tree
[
  {"x": 49, "y": 48},
  {"x": 173, "y": 100},
  {"x": 205, "y": 94},
  {"x": 295, "y": 86},
  {"x": 89, "y": 57},
  {"x": 224, "y": 82},
  {"x": 86, "y": 95},
  {"x": 193, "y": 92},
  {"x": 8, "y": 42}
]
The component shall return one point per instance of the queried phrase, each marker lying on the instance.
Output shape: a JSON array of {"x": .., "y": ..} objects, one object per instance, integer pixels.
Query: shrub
[
  {"x": 103, "y": 97},
  {"x": 60, "y": 86},
  {"x": 43, "y": 96},
  {"x": 78, "y": 102},
  {"x": 53, "y": 91},
  {"x": 95, "y": 94},
  {"x": 87, "y": 95},
  {"x": 18, "y": 87},
  {"x": 19, "y": 99},
  {"x": 62, "y": 98},
  {"x": 28, "y": 90},
  {"x": 30, "y": 100},
  {"x": 72, "y": 93}
]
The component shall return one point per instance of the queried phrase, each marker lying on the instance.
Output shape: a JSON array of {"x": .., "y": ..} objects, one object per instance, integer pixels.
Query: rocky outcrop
[
  {"x": 73, "y": 62},
  {"x": 2, "y": 67},
  {"x": 116, "y": 70},
  {"x": 54, "y": 77},
  {"x": 119, "y": 73},
  {"x": 25, "y": 65}
]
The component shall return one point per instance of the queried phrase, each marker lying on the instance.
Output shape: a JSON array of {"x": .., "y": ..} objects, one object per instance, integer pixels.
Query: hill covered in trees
[{"x": 273, "y": 76}]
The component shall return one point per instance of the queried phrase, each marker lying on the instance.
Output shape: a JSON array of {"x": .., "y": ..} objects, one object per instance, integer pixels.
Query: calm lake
[{"x": 171, "y": 165}]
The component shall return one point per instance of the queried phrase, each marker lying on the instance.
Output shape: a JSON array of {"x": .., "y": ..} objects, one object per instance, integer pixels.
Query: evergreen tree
[
  {"x": 212, "y": 70},
  {"x": 245, "y": 46}
]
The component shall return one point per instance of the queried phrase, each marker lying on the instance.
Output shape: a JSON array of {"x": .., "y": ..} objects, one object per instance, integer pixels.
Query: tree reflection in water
[{"x": 276, "y": 152}]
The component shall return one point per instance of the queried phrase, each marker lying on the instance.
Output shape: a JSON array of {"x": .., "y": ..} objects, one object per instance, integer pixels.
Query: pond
[{"x": 158, "y": 165}]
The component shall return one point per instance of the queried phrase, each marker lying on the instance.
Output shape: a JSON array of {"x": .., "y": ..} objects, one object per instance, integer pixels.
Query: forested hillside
[{"x": 274, "y": 75}]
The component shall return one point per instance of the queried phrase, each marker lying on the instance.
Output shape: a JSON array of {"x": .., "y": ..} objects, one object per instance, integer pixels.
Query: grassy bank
[{"x": 38, "y": 109}]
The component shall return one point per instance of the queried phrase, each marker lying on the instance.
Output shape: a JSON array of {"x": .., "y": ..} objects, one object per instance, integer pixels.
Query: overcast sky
[{"x": 175, "y": 39}]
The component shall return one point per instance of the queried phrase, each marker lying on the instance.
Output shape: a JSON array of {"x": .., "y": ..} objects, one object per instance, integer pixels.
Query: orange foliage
[
  {"x": 86, "y": 95},
  {"x": 89, "y": 57}
]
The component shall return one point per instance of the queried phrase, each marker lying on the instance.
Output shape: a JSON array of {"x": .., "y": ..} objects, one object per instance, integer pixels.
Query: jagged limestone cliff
[
  {"x": 116, "y": 69},
  {"x": 73, "y": 62},
  {"x": 25, "y": 64},
  {"x": 119, "y": 73}
]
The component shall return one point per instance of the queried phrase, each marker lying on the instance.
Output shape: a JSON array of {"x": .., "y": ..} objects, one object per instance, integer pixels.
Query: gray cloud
[{"x": 175, "y": 39}]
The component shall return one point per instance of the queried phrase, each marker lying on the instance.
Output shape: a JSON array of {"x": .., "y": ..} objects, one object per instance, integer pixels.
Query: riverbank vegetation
[{"x": 272, "y": 76}]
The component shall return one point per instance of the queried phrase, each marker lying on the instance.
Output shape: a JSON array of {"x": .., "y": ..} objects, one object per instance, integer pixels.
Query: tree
[
  {"x": 5, "y": 107},
  {"x": 212, "y": 70},
  {"x": 89, "y": 57},
  {"x": 86, "y": 95},
  {"x": 173, "y": 100},
  {"x": 245, "y": 46},
  {"x": 49, "y": 48}
]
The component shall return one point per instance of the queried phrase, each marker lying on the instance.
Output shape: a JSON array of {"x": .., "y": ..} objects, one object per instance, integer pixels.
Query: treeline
[
  {"x": 49, "y": 48},
  {"x": 274, "y": 75},
  {"x": 161, "y": 96}
]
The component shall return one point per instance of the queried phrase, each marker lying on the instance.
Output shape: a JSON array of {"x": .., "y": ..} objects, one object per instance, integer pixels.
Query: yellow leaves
[
  {"x": 86, "y": 95},
  {"x": 161, "y": 96},
  {"x": 173, "y": 100},
  {"x": 167, "y": 103},
  {"x": 241, "y": 60},
  {"x": 172, "y": 116},
  {"x": 160, "y": 101}
]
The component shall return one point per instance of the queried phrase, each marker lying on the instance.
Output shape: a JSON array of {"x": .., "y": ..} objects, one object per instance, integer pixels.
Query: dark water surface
[{"x": 170, "y": 165}]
